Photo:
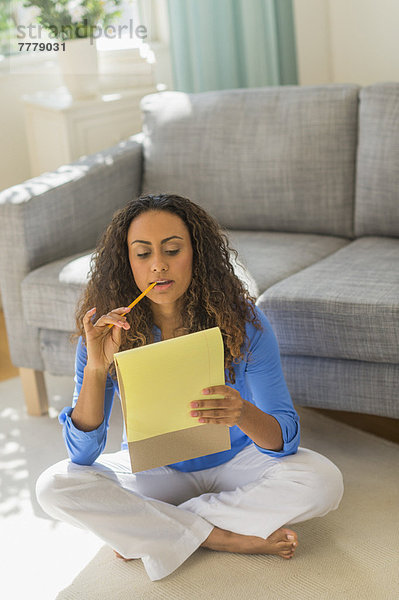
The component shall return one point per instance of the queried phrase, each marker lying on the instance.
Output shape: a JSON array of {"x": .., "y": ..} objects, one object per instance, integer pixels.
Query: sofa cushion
[
  {"x": 350, "y": 385},
  {"x": 345, "y": 306},
  {"x": 271, "y": 256},
  {"x": 377, "y": 183},
  {"x": 58, "y": 350},
  {"x": 268, "y": 159},
  {"x": 50, "y": 293}
]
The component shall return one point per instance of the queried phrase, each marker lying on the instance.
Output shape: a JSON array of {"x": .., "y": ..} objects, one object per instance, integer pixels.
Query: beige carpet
[{"x": 352, "y": 553}]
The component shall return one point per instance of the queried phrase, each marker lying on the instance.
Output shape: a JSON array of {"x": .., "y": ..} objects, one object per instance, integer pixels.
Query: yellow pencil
[{"x": 137, "y": 300}]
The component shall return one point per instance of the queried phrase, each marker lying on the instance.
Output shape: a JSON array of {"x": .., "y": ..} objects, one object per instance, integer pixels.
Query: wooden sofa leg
[{"x": 35, "y": 391}]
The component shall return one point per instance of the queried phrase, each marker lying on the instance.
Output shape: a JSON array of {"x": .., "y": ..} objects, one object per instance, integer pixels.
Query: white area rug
[{"x": 352, "y": 553}]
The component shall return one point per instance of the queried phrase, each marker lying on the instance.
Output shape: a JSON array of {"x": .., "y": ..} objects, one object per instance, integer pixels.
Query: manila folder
[{"x": 157, "y": 382}]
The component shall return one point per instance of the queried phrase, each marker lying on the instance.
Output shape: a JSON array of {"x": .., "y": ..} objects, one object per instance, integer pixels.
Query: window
[
  {"x": 10, "y": 17},
  {"x": 18, "y": 24}
]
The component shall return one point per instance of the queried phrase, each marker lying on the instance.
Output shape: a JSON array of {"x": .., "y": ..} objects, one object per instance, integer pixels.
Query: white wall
[
  {"x": 14, "y": 163},
  {"x": 43, "y": 74},
  {"x": 312, "y": 31},
  {"x": 364, "y": 40},
  {"x": 352, "y": 41},
  {"x": 337, "y": 41}
]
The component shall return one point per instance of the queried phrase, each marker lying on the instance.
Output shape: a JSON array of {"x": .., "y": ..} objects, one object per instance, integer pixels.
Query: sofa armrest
[
  {"x": 65, "y": 211},
  {"x": 54, "y": 215}
]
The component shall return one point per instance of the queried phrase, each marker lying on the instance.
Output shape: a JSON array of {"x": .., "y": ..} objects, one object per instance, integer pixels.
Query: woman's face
[{"x": 160, "y": 249}]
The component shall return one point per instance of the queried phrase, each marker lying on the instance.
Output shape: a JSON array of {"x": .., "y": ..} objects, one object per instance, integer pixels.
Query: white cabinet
[{"x": 60, "y": 130}]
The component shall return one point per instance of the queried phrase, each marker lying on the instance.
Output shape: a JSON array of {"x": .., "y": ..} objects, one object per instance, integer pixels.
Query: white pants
[{"x": 162, "y": 515}]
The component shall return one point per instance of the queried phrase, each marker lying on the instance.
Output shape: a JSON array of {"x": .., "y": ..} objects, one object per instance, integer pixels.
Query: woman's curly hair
[{"x": 216, "y": 297}]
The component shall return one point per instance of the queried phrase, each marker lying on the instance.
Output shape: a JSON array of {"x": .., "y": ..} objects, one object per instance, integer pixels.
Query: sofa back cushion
[
  {"x": 377, "y": 187},
  {"x": 273, "y": 158}
]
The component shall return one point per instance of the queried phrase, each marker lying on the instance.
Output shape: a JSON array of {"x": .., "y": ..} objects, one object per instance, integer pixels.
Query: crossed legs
[{"x": 162, "y": 516}]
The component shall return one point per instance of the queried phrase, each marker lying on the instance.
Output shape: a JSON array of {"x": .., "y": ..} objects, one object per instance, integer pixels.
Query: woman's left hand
[{"x": 222, "y": 411}]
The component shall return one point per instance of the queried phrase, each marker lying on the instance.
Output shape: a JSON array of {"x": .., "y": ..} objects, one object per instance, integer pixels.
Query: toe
[
  {"x": 122, "y": 557},
  {"x": 285, "y": 546},
  {"x": 290, "y": 535},
  {"x": 293, "y": 541},
  {"x": 289, "y": 550}
]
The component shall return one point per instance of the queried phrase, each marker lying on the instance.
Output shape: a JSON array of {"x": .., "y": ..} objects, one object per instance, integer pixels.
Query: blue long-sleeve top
[{"x": 259, "y": 380}]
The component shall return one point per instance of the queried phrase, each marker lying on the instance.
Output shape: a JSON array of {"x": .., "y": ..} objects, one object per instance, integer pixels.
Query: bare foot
[
  {"x": 283, "y": 542},
  {"x": 120, "y": 556}
]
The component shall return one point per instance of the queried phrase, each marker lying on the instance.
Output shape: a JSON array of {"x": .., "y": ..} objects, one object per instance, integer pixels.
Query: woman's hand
[
  {"x": 101, "y": 340},
  {"x": 223, "y": 411}
]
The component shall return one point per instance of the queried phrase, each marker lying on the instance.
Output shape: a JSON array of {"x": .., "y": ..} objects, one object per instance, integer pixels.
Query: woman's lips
[{"x": 163, "y": 286}]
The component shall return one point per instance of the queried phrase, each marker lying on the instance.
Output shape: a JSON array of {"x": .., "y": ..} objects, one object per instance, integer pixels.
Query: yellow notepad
[{"x": 157, "y": 382}]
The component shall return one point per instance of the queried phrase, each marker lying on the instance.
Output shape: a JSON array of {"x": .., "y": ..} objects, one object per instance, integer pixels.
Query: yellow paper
[{"x": 157, "y": 382}]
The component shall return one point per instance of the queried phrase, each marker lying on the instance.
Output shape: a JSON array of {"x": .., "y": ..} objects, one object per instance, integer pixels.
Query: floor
[
  {"x": 342, "y": 555},
  {"x": 7, "y": 369},
  {"x": 348, "y": 554}
]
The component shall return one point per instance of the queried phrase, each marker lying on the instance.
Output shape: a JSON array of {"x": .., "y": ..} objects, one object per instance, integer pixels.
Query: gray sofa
[{"x": 305, "y": 180}]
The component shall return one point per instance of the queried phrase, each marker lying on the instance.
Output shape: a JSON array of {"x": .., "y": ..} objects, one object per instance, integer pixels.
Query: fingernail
[
  {"x": 290, "y": 537},
  {"x": 205, "y": 391},
  {"x": 194, "y": 404}
]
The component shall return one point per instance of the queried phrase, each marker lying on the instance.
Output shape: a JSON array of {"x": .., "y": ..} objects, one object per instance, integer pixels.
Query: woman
[{"x": 240, "y": 500}]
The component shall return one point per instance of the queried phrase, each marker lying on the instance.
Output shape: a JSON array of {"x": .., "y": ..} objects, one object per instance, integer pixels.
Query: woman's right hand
[{"x": 103, "y": 341}]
